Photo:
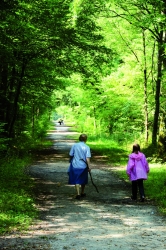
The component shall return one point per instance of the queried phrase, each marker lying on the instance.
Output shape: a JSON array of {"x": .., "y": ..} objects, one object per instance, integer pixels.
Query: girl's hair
[{"x": 136, "y": 148}]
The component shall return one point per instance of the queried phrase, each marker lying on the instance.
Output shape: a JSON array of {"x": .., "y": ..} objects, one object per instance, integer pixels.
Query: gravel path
[{"x": 100, "y": 221}]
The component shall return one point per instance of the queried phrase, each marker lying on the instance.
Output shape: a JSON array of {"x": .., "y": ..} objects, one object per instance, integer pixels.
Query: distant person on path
[
  {"x": 60, "y": 121},
  {"x": 137, "y": 169},
  {"x": 78, "y": 170}
]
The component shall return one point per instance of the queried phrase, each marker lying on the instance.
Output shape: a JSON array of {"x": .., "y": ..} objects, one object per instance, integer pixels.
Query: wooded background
[{"x": 100, "y": 64}]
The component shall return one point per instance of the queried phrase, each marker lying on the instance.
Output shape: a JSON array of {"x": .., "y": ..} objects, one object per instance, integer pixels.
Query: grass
[
  {"x": 17, "y": 205},
  {"x": 17, "y": 208},
  {"x": 156, "y": 185},
  {"x": 112, "y": 150}
]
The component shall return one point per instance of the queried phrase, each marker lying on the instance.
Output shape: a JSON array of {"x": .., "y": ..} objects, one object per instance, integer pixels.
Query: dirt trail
[{"x": 104, "y": 220}]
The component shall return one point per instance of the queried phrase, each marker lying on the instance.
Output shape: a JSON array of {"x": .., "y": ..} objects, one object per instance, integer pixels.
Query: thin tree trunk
[
  {"x": 17, "y": 95},
  {"x": 33, "y": 119},
  {"x": 145, "y": 90},
  {"x": 95, "y": 125},
  {"x": 158, "y": 88},
  {"x": 3, "y": 88},
  {"x": 10, "y": 97}
]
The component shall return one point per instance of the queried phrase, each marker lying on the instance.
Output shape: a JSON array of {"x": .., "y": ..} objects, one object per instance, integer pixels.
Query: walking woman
[
  {"x": 78, "y": 171},
  {"x": 137, "y": 170}
]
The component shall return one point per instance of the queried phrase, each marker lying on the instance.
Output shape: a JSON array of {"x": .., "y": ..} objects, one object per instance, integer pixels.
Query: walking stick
[{"x": 90, "y": 175}]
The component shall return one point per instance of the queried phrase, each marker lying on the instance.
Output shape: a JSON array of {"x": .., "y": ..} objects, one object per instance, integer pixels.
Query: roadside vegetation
[
  {"x": 17, "y": 203},
  {"x": 17, "y": 207}
]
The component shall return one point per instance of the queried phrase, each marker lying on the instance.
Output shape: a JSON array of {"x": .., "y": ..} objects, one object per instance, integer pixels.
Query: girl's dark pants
[{"x": 138, "y": 184}]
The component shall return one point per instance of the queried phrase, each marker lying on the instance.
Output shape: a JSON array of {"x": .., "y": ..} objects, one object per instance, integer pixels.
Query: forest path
[{"x": 100, "y": 221}]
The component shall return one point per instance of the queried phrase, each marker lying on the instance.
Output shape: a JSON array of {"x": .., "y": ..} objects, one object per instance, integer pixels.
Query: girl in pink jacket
[{"x": 137, "y": 169}]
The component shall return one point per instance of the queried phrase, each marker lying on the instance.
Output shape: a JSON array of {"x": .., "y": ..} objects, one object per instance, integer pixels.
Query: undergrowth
[
  {"x": 17, "y": 205},
  {"x": 111, "y": 149},
  {"x": 17, "y": 208},
  {"x": 156, "y": 185}
]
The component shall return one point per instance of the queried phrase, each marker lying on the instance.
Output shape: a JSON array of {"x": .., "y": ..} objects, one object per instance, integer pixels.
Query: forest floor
[{"x": 100, "y": 221}]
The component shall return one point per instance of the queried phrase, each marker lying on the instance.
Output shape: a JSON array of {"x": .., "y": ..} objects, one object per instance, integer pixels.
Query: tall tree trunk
[
  {"x": 158, "y": 88},
  {"x": 10, "y": 97},
  {"x": 95, "y": 125},
  {"x": 145, "y": 90},
  {"x": 3, "y": 88},
  {"x": 4, "y": 100},
  {"x": 15, "y": 104},
  {"x": 33, "y": 119}
]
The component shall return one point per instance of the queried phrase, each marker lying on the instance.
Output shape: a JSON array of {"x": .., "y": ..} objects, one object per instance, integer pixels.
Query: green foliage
[
  {"x": 98, "y": 59},
  {"x": 17, "y": 208},
  {"x": 109, "y": 149},
  {"x": 150, "y": 151},
  {"x": 17, "y": 205},
  {"x": 41, "y": 127},
  {"x": 83, "y": 57},
  {"x": 3, "y": 139},
  {"x": 156, "y": 184},
  {"x": 121, "y": 100},
  {"x": 41, "y": 46}
]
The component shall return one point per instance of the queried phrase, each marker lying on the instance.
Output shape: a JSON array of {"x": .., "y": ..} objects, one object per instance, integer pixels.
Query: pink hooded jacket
[{"x": 137, "y": 167}]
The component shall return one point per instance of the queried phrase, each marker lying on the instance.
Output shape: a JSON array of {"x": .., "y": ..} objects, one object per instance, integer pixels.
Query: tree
[
  {"x": 41, "y": 46},
  {"x": 148, "y": 16}
]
